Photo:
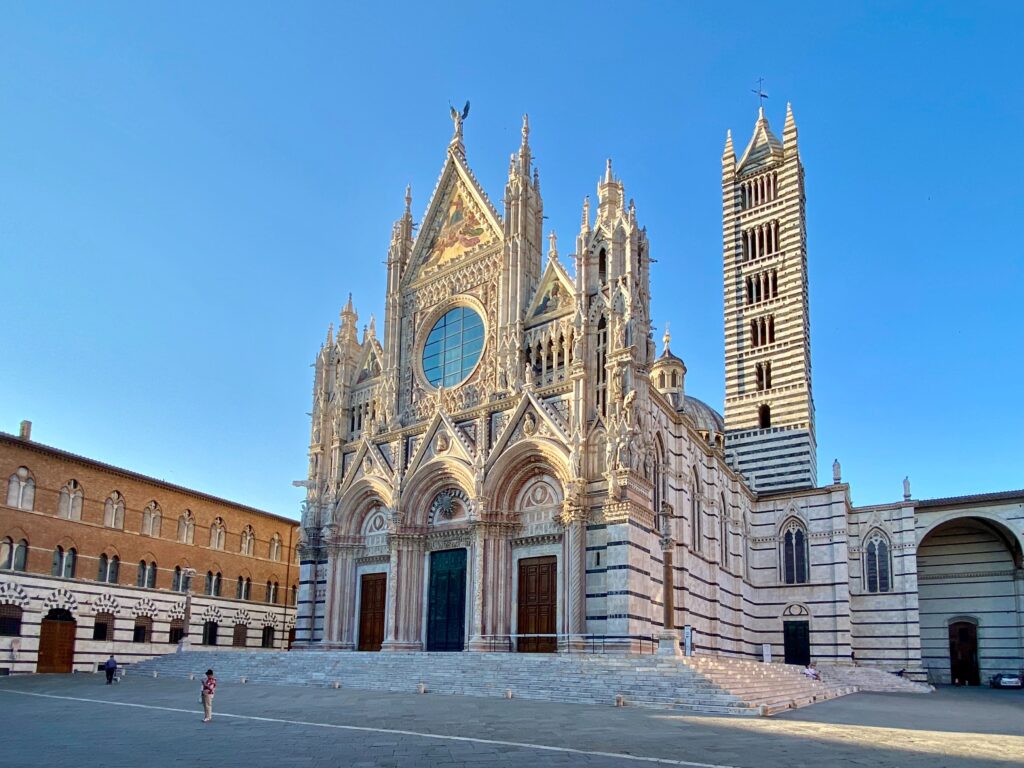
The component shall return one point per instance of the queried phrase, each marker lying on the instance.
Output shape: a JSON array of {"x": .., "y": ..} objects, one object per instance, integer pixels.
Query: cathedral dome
[{"x": 703, "y": 416}]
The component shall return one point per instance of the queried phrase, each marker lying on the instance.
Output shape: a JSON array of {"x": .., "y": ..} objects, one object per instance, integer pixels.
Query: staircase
[
  {"x": 776, "y": 687},
  {"x": 712, "y": 685},
  {"x": 870, "y": 679}
]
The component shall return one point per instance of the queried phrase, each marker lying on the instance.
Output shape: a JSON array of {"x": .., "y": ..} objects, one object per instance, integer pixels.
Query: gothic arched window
[
  {"x": 13, "y": 556},
  {"x": 275, "y": 547},
  {"x": 218, "y": 533},
  {"x": 186, "y": 528},
  {"x": 21, "y": 489},
  {"x": 64, "y": 562},
  {"x": 877, "y": 568},
  {"x": 601, "y": 387},
  {"x": 248, "y": 540},
  {"x": 151, "y": 520},
  {"x": 69, "y": 503},
  {"x": 794, "y": 554},
  {"x": 723, "y": 537},
  {"x": 113, "y": 511},
  {"x": 696, "y": 534}
]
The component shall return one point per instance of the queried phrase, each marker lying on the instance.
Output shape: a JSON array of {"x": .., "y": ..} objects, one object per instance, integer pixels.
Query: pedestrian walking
[
  {"x": 110, "y": 668},
  {"x": 209, "y": 688}
]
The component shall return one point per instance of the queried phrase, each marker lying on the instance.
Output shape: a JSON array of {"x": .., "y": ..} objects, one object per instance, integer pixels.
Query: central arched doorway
[{"x": 57, "y": 642}]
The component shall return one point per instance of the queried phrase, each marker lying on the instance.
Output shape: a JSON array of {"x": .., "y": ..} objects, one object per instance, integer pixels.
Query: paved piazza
[{"x": 77, "y": 720}]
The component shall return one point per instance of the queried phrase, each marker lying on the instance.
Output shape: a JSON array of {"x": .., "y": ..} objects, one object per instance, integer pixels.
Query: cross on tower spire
[{"x": 761, "y": 95}]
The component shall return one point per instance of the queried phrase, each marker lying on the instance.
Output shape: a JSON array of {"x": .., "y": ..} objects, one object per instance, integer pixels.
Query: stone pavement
[{"x": 77, "y": 720}]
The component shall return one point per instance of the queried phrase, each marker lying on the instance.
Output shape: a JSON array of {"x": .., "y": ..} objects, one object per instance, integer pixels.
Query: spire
[
  {"x": 789, "y": 133},
  {"x": 608, "y": 171},
  {"x": 373, "y": 327},
  {"x": 348, "y": 308},
  {"x": 330, "y": 335},
  {"x": 729, "y": 152},
  {"x": 553, "y": 246},
  {"x": 585, "y": 219},
  {"x": 667, "y": 338},
  {"x": 524, "y": 149},
  {"x": 408, "y": 200}
]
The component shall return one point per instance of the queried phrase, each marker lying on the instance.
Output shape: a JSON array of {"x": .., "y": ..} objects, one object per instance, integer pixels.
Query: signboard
[
  {"x": 688, "y": 640},
  {"x": 766, "y": 653}
]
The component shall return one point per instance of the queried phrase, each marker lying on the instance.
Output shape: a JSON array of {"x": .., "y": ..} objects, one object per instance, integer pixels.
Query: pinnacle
[
  {"x": 408, "y": 198},
  {"x": 608, "y": 171},
  {"x": 729, "y": 150}
]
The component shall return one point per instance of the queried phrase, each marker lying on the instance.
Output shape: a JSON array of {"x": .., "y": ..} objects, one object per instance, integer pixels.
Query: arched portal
[
  {"x": 57, "y": 642},
  {"x": 969, "y": 597}
]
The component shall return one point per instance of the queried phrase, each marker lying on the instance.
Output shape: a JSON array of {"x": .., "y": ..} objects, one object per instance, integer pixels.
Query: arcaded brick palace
[
  {"x": 97, "y": 560},
  {"x": 514, "y": 465}
]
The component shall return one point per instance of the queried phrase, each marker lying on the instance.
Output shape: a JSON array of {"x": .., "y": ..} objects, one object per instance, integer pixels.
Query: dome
[{"x": 704, "y": 417}]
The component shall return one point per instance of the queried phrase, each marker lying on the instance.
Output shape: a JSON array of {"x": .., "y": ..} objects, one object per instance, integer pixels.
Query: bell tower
[{"x": 769, "y": 407}]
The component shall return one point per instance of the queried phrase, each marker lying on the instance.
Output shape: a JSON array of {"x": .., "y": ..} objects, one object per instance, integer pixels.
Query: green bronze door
[{"x": 446, "y": 601}]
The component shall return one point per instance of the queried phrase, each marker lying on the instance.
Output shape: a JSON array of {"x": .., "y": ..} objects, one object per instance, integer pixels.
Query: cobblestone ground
[{"x": 77, "y": 720}]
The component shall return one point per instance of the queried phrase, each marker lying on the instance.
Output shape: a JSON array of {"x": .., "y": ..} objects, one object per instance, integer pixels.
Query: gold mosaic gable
[{"x": 458, "y": 226}]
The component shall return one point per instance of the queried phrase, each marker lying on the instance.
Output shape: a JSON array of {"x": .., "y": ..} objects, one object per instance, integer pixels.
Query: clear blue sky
[{"x": 189, "y": 191}]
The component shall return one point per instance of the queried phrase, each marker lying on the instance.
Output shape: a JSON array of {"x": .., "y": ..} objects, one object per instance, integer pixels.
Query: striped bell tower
[{"x": 769, "y": 408}]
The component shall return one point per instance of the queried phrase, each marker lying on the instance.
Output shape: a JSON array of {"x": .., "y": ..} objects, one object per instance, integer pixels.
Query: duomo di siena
[{"x": 513, "y": 464}]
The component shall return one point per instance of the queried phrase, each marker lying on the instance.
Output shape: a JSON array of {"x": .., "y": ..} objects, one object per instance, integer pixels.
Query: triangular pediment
[
  {"x": 367, "y": 462},
  {"x": 531, "y": 419},
  {"x": 370, "y": 362},
  {"x": 554, "y": 297},
  {"x": 764, "y": 148},
  {"x": 442, "y": 439},
  {"x": 460, "y": 223}
]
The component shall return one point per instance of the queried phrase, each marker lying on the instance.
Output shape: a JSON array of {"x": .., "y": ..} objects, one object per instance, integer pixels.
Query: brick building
[{"x": 96, "y": 560}]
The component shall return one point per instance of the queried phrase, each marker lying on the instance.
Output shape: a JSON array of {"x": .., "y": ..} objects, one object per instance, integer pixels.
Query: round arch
[
  {"x": 1002, "y": 529},
  {"x": 429, "y": 480},
  {"x": 356, "y": 503},
  {"x": 523, "y": 461}
]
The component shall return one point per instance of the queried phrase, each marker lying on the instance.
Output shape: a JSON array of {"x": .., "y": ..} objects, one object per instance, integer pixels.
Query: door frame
[
  {"x": 384, "y": 568},
  {"x": 74, "y": 639},
  {"x": 517, "y": 578},
  {"x": 971, "y": 622},
  {"x": 384, "y": 610},
  {"x": 528, "y": 553},
  {"x": 807, "y": 624},
  {"x": 467, "y": 610}
]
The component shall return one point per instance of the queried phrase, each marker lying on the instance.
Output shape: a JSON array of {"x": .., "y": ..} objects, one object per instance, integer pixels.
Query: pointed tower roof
[
  {"x": 729, "y": 152},
  {"x": 764, "y": 145}
]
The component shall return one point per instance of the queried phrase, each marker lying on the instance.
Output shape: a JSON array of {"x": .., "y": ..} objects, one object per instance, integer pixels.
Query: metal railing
[{"x": 570, "y": 642}]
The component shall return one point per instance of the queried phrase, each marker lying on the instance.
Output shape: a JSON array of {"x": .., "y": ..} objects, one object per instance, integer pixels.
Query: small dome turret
[{"x": 668, "y": 373}]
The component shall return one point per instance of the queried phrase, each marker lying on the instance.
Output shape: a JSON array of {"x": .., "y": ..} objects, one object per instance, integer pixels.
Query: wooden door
[
  {"x": 797, "y": 637},
  {"x": 963, "y": 653},
  {"x": 56, "y": 642},
  {"x": 538, "y": 604},
  {"x": 446, "y": 601},
  {"x": 372, "y": 591}
]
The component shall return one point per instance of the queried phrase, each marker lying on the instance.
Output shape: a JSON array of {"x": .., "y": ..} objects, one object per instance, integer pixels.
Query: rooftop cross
[{"x": 761, "y": 95}]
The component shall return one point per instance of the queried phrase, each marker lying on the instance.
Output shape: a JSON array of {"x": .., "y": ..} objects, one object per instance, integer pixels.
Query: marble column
[
  {"x": 574, "y": 537},
  {"x": 404, "y": 603}
]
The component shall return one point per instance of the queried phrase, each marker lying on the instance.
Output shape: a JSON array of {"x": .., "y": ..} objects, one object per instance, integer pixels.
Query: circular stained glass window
[{"x": 453, "y": 347}]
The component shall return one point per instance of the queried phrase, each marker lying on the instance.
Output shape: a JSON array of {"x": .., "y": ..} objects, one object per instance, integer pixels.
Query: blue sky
[{"x": 189, "y": 191}]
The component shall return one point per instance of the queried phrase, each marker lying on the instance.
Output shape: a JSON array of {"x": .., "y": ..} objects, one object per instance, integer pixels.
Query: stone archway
[{"x": 971, "y": 600}]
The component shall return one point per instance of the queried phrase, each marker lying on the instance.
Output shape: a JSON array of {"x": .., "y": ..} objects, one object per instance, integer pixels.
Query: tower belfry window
[
  {"x": 602, "y": 266},
  {"x": 764, "y": 417}
]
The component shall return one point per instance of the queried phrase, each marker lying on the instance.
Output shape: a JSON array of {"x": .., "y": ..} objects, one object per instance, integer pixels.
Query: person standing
[
  {"x": 110, "y": 668},
  {"x": 209, "y": 688}
]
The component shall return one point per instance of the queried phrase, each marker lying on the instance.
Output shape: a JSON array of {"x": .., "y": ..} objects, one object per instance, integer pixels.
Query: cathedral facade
[{"x": 513, "y": 465}]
